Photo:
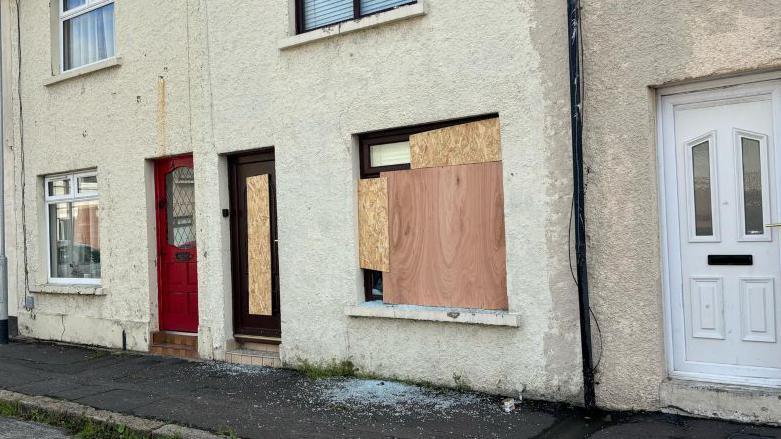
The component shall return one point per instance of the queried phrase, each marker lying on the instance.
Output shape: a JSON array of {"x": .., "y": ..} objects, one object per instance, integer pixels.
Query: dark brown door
[{"x": 254, "y": 251}]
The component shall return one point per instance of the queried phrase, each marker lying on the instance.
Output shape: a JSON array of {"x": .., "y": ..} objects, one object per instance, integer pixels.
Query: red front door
[{"x": 176, "y": 250}]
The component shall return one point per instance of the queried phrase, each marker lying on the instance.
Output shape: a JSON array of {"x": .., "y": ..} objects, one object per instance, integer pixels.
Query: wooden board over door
[{"x": 259, "y": 245}]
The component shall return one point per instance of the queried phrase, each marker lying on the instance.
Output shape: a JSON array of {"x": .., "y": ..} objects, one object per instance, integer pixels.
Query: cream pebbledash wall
[
  {"x": 632, "y": 47},
  {"x": 309, "y": 101},
  {"x": 114, "y": 120},
  {"x": 201, "y": 77}
]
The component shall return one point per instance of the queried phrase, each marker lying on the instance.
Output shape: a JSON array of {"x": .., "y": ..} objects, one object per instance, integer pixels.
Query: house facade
[{"x": 389, "y": 183}]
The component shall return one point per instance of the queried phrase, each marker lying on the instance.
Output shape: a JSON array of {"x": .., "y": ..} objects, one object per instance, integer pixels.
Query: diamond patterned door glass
[{"x": 180, "y": 190}]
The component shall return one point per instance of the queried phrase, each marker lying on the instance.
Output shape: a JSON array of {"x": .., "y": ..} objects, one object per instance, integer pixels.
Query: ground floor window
[
  {"x": 72, "y": 219},
  {"x": 390, "y": 150}
]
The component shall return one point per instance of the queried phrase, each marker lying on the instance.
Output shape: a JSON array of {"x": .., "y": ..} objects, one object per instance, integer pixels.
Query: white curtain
[{"x": 89, "y": 37}]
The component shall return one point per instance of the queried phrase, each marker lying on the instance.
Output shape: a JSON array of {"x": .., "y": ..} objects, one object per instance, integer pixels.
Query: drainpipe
[
  {"x": 576, "y": 112},
  {"x": 3, "y": 261}
]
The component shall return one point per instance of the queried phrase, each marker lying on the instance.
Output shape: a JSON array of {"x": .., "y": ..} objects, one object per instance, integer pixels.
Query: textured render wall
[
  {"x": 212, "y": 80},
  {"x": 631, "y": 45},
  {"x": 309, "y": 101},
  {"x": 113, "y": 120},
  {"x": 12, "y": 228}
]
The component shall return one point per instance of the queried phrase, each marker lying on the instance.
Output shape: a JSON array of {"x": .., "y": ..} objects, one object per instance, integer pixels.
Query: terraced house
[{"x": 390, "y": 183}]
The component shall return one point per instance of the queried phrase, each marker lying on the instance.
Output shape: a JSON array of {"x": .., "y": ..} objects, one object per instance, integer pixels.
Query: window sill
[
  {"x": 401, "y": 13},
  {"x": 435, "y": 314},
  {"x": 84, "y": 70},
  {"x": 69, "y": 289}
]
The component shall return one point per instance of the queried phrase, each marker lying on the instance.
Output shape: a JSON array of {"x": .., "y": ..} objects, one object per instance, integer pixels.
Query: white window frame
[
  {"x": 72, "y": 196},
  {"x": 88, "y": 6},
  {"x": 709, "y": 137}
]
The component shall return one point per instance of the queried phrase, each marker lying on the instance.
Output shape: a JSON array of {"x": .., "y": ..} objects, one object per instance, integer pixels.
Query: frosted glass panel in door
[
  {"x": 752, "y": 186},
  {"x": 703, "y": 213}
]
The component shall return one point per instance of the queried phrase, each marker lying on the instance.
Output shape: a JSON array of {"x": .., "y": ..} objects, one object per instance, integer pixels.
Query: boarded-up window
[
  {"x": 447, "y": 246},
  {"x": 433, "y": 235}
]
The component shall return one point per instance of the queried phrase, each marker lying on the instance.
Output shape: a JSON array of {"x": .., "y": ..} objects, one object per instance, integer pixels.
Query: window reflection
[{"x": 75, "y": 239}]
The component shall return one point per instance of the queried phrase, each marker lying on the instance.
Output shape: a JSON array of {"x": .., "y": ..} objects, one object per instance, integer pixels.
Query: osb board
[
  {"x": 474, "y": 142},
  {"x": 259, "y": 245},
  {"x": 447, "y": 244},
  {"x": 373, "y": 224}
]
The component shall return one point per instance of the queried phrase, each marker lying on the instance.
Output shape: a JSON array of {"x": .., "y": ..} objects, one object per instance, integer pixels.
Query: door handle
[{"x": 773, "y": 225}]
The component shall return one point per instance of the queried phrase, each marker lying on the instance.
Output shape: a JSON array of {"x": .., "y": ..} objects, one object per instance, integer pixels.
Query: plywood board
[
  {"x": 447, "y": 244},
  {"x": 259, "y": 245},
  {"x": 373, "y": 224},
  {"x": 474, "y": 142}
]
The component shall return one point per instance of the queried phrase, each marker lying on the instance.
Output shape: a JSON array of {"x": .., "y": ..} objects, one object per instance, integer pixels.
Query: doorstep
[
  {"x": 757, "y": 405},
  {"x": 174, "y": 344},
  {"x": 252, "y": 357},
  {"x": 254, "y": 351}
]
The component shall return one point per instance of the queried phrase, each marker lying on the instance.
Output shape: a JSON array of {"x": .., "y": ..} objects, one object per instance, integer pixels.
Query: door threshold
[
  {"x": 703, "y": 379},
  {"x": 191, "y": 334},
  {"x": 726, "y": 401},
  {"x": 245, "y": 338}
]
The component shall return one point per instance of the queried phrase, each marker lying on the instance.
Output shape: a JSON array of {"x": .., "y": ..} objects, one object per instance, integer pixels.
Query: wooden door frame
[
  {"x": 161, "y": 231},
  {"x": 668, "y": 198},
  {"x": 266, "y": 154}
]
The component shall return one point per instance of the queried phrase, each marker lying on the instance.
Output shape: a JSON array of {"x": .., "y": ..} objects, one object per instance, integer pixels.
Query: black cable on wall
[{"x": 576, "y": 119}]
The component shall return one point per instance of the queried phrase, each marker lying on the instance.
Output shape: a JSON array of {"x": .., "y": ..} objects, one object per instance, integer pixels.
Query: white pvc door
[{"x": 721, "y": 184}]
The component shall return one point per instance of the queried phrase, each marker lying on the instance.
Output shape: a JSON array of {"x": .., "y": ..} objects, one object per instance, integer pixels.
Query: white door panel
[
  {"x": 724, "y": 263},
  {"x": 757, "y": 310}
]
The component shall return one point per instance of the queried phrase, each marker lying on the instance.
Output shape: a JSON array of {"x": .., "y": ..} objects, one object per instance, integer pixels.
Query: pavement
[
  {"x": 258, "y": 402},
  {"x": 13, "y": 429}
]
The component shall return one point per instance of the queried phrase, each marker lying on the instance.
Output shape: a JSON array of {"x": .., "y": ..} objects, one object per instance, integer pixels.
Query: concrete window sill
[
  {"x": 73, "y": 290},
  {"x": 85, "y": 70},
  {"x": 401, "y": 13},
  {"x": 435, "y": 314}
]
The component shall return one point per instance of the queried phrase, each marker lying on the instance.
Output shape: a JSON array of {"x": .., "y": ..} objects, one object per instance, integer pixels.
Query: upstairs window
[
  {"x": 72, "y": 222},
  {"x": 313, "y": 14},
  {"x": 87, "y": 32}
]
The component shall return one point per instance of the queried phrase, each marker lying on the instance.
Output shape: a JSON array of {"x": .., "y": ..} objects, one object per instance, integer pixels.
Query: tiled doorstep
[{"x": 254, "y": 358}]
